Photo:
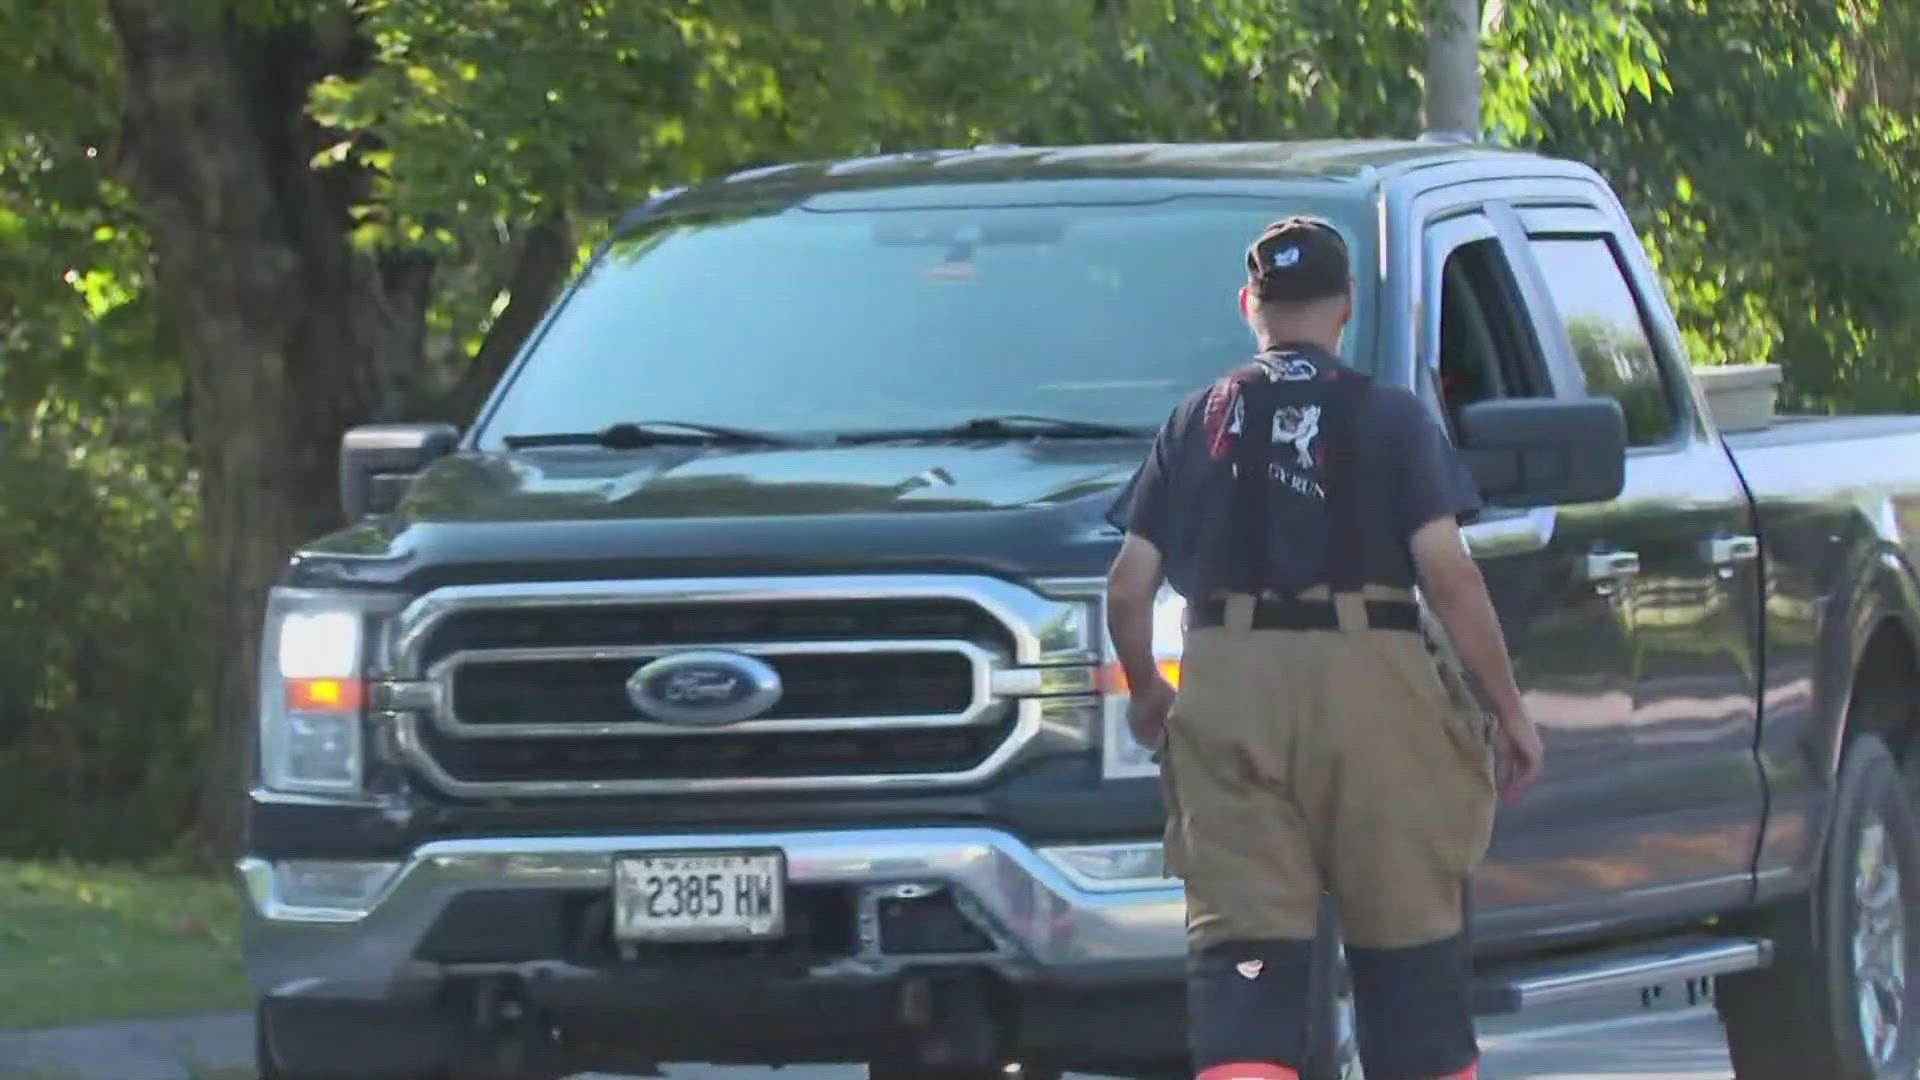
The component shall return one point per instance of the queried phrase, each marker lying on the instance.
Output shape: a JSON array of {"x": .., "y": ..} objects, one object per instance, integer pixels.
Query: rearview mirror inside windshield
[{"x": 990, "y": 233}]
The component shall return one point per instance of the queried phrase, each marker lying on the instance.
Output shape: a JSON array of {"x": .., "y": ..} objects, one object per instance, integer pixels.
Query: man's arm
[
  {"x": 1454, "y": 586},
  {"x": 1132, "y": 585},
  {"x": 1435, "y": 493}
]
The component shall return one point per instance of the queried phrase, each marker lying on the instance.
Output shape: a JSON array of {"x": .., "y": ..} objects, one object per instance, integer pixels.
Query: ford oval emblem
[{"x": 704, "y": 689}]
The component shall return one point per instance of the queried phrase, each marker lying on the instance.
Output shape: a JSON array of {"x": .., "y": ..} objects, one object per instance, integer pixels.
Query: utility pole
[{"x": 1453, "y": 68}]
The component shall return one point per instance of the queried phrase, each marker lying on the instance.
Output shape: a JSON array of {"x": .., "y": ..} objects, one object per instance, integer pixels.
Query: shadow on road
[{"x": 1606, "y": 1041}]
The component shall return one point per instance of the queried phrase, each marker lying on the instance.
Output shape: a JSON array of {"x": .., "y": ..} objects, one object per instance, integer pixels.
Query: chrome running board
[{"x": 1531, "y": 985}]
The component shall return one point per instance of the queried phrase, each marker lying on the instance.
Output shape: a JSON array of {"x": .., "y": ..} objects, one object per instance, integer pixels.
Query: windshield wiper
[
  {"x": 1010, "y": 426},
  {"x": 638, "y": 434}
]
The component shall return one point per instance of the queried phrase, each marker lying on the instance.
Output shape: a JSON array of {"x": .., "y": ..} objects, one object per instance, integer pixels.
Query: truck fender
[
  {"x": 1879, "y": 596},
  {"x": 1884, "y": 598}
]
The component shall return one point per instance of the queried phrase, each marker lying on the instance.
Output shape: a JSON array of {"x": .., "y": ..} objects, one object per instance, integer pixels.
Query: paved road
[{"x": 1609, "y": 1040}]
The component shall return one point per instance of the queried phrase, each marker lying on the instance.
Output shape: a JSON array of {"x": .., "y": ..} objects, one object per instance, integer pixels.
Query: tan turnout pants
[{"x": 1303, "y": 762}]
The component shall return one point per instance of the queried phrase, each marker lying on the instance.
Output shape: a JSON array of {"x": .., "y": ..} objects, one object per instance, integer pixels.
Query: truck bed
[
  {"x": 1869, "y": 464},
  {"x": 1801, "y": 430}
]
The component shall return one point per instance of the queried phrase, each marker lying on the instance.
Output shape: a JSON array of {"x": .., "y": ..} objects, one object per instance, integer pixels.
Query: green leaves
[
  {"x": 1592, "y": 56},
  {"x": 1778, "y": 184},
  {"x": 463, "y": 121}
]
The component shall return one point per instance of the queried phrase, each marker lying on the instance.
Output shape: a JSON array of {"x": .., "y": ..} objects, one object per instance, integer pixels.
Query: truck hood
[{"x": 1007, "y": 505}]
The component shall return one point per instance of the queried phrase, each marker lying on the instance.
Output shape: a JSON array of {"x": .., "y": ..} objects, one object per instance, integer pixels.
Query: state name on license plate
[{"x": 699, "y": 895}]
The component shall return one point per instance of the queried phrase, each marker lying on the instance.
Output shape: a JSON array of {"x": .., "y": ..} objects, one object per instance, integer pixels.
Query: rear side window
[{"x": 1608, "y": 332}]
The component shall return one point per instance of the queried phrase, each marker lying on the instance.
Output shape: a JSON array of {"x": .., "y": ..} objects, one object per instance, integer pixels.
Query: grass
[{"x": 80, "y": 944}]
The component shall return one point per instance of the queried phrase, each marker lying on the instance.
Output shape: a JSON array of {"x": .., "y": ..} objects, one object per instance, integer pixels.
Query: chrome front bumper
[{"x": 1047, "y": 924}]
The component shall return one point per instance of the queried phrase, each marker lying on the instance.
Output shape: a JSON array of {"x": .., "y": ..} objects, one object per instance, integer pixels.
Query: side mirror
[
  {"x": 1527, "y": 452},
  {"x": 377, "y": 461}
]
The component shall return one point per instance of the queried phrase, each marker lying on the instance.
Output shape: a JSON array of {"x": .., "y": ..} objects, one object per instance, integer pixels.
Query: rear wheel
[{"x": 1838, "y": 1000}]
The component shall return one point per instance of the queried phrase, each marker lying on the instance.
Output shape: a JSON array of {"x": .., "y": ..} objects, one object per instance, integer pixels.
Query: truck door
[
  {"x": 1688, "y": 802},
  {"x": 1562, "y": 609}
]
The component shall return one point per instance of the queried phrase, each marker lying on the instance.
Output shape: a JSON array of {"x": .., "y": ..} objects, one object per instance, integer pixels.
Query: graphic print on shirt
[
  {"x": 1298, "y": 427},
  {"x": 1223, "y": 417},
  {"x": 1289, "y": 369},
  {"x": 1294, "y": 426}
]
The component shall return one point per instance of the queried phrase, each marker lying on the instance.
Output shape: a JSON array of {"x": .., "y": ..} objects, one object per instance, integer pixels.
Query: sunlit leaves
[
  {"x": 1591, "y": 55},
  {"x": 1782, "y": 201},
  {"x": 471, "y": 119}
]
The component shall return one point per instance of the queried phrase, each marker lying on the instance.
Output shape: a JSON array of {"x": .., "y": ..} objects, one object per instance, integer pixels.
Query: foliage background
[{"x": 448, "y": 162}]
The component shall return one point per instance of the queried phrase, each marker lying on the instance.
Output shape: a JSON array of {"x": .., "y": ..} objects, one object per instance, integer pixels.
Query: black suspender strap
[
  {"x": 1346, "y": 561},
  {"x": 1252, "y": 461},
  {"x": 1343, "y": 566},
  {"x": 1260, "y": 398}
]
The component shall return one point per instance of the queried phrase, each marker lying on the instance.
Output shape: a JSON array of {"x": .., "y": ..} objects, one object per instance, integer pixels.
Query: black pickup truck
[{"x": 733, "y": 690}]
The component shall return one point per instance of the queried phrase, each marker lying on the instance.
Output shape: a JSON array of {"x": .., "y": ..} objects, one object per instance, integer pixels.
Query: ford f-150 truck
[{"x": 733, "y": 688}]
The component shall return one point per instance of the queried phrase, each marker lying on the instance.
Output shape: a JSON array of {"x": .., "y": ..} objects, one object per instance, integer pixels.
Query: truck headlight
[
  {"x": 1123, "y": 756},
  {"x": 313, "y": 689}
]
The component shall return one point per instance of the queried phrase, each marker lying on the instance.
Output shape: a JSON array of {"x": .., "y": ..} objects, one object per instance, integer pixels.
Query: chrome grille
[
  {"x": 682, "y": 625},
  {"x": 760, "y": 755},
  {"x": 522, "y": 689},
  {"x": 817, "y": 686}
]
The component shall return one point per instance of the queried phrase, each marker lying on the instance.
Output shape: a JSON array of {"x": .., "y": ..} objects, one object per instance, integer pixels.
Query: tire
[
  {"x": 263, "y": 1063},
  {"x": 1840, "y": 1000},
  {"x": 267, "y": 1067},
  {"x": 880, "y": 1071},
  {"x": 263, "y": 1059}
]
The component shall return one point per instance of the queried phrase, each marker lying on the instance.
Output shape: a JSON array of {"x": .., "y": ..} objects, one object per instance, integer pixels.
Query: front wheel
[
  {"x": 268, "y": 1066},
  {"x": 883, "y": 1071},
  {"x": 1838, "y": 1001}
]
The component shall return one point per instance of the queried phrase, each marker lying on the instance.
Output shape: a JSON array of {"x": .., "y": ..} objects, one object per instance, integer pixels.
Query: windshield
[{"x": 804, "y": 322}]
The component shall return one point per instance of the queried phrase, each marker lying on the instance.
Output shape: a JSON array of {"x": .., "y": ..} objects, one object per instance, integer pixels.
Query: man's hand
[
  {"x": 1522, "y": 755},
  {"x": 1147, "y": 713}
]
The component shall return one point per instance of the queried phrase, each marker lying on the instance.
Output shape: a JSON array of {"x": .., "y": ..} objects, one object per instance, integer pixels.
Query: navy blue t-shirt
[{"x": 1182, "y": 498}]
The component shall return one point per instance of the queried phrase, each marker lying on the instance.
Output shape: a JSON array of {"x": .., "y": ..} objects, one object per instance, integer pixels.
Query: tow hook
[
  {"x": 510, "y": 1039},
  {"x": 953, "y": 1021}
]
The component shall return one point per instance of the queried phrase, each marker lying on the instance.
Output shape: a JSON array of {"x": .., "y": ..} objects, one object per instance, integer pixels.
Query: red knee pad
[
  {"x": 1250, "y": 1070},
  {"x": 1471, "y": 1072}
]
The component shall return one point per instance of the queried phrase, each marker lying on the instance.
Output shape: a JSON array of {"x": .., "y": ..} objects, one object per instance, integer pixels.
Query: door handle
[
  {"x": 1729, "y": 550},
  {"x": 1611, "y": 566},
  {"x": 1607, "y": 569}
]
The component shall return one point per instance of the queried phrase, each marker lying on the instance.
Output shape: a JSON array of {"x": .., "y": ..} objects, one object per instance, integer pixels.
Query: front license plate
[{"x": 699, "y": 896}]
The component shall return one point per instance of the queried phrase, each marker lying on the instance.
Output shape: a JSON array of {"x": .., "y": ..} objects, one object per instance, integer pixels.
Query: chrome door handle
[
  {"x": 1729, "y": 550},
  {"x": 1607, "y": 567}
]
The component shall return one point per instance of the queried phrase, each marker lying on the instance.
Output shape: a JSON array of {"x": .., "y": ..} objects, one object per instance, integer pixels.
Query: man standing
[{"x": 1312, "y": 746}]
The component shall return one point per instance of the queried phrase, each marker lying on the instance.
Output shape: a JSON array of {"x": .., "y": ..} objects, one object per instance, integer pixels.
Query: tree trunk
[
  {"x": 546, "y": 254},
  {"x": 290, "y": 335},
  {"x": 1453, "y": 67}
]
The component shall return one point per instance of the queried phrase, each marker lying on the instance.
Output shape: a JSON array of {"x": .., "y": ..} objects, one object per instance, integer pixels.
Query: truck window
[
  {"x": 1486, "y": 349},
  {"x": 1608, "y": 333}
]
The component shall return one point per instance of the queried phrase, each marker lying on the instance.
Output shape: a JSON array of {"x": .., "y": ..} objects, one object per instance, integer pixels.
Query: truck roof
[{"x": 1362, "y": 164}]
